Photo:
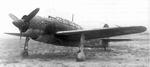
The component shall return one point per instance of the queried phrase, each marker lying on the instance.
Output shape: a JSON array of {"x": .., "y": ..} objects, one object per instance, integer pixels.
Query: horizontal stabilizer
[
  {"x": 110, "y": 40},
  {"x": 113, "y": 40}
]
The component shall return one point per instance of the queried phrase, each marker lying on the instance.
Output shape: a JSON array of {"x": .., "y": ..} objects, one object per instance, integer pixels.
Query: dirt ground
[{"x": 123, "y": 54}]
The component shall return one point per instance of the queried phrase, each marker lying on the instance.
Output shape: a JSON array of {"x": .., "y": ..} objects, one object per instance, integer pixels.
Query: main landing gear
[
  {"x": 25, "y": 52},
  {"x": 105, "y": 45},
  {"x": 80, "y": 53}
]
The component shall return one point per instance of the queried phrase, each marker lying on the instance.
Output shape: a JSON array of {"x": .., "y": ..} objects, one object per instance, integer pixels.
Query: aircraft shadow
[
  {"x": 52, "y": 56},
  {"x": 90, "y": 55}
]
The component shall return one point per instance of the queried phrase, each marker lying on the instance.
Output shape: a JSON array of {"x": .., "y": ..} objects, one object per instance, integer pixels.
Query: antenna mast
[{"x": 72, "y": 17}]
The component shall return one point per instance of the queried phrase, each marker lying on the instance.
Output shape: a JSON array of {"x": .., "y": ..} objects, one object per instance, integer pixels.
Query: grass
[{"x": 123, "y": 54}]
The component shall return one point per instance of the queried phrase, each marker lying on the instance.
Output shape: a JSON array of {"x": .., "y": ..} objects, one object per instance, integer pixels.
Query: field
[{"x": 124, "y": 54}]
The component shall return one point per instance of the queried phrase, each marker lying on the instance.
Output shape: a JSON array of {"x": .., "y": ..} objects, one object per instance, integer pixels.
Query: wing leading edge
[
  {"x": 101, "y": 33},
  {"x": 17, "y": 34}
]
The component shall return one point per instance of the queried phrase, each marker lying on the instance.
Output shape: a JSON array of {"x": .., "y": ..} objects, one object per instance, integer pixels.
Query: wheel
[
  {"x": 25, "y": 53},
  {"x": 80, "y": 56}
]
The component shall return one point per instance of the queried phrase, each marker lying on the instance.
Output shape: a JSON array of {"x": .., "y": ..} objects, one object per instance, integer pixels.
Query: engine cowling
[
  {"x": 49, "y": 35},
  {"x": 50, "y": 29}
]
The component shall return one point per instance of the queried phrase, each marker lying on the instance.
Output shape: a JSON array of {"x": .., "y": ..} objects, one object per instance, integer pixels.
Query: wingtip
[
  {"x": 37, "y": 9},
  {"x": 5, "y": 33},
  {"x": 16, "y": 34},
  {"x": 143, "y": 28}
]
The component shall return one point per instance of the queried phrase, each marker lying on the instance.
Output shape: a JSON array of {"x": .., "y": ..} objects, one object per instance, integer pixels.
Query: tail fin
[{"x": 106, "y": 26}]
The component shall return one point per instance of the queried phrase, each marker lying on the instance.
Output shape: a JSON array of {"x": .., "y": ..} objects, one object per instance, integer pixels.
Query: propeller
[{"x": 23, "y": 23}]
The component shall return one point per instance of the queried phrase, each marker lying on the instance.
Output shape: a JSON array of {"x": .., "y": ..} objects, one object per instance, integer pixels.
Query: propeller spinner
[{"x": 23, "y": 23}]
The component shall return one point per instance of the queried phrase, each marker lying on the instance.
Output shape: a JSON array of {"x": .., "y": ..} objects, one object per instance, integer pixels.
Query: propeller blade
[
  {"x": 13, "y": 17},
  {"x": 27, "y": 18}
]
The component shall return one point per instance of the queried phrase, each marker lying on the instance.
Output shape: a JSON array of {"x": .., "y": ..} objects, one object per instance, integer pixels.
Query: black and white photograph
[{"x": 75, "y": 33}]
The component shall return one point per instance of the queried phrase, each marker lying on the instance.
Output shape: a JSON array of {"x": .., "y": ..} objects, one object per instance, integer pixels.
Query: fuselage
[{"x": 44, "y": 29}]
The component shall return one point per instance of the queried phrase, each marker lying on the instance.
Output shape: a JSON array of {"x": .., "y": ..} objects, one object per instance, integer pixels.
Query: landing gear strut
[
  {"x": 105, "y": 45},
  {"x": 25, "y": 52},
  {"x": 80, "y": 53}
]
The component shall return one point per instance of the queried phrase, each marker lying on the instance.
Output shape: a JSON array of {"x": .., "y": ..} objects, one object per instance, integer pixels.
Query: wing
[
  {"x": 100, "y": 33},
  {"x": 17, "y": 34}
]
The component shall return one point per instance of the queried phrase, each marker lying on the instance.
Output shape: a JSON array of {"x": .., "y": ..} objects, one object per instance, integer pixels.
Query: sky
[{"x": 87, "y": 13}]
